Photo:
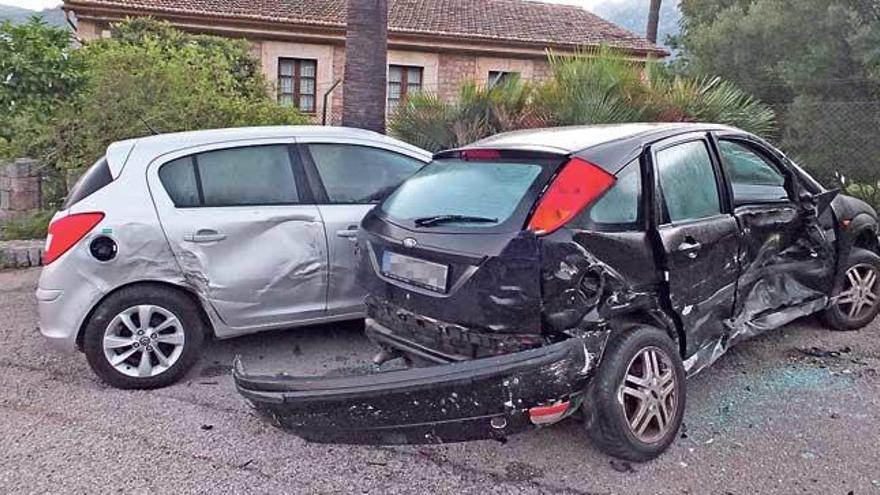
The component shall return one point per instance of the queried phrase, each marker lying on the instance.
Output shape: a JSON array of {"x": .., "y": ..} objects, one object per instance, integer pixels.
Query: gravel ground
[{"x": 766, "y": 418}]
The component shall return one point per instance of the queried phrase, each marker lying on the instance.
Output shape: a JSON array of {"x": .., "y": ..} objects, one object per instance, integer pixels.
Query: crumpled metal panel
[{"x": 787, "y": 265}]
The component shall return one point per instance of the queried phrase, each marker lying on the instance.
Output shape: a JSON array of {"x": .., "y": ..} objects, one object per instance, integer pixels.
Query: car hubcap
[
  {"x": 648, "y": 394},
  {"x": 859, "y": 292},
  {"x": 143, "y": 341}
]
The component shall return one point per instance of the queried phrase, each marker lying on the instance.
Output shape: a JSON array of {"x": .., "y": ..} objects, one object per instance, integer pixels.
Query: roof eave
[{"x": 334, "y": 32}]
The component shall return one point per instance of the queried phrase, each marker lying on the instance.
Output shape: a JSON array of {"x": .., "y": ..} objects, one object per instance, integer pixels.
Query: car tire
[
  {"x": 855, "y": 300},
  {"x": 612, "y": 404},
  {"x": 169, "y": 338}
]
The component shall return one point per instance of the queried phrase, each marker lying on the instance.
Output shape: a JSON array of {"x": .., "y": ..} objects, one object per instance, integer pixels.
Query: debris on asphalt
[
  {"x": 621, "y": 466},
  {"x": 818, "y": 352},
  {"x": 207, "y": 427},
  {"x": 808, "y": 455},
  {"x": 245, "y": 464}
]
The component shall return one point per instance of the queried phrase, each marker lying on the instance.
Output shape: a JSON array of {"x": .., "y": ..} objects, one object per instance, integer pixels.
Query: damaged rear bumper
[{"x": 487, "y": 398}]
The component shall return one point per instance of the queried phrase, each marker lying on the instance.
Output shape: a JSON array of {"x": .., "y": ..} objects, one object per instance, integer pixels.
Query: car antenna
[{"x": 148, "y": 126}]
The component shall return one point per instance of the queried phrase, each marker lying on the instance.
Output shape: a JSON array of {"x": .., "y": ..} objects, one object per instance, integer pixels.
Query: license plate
[{"x": 414, "y": 271}]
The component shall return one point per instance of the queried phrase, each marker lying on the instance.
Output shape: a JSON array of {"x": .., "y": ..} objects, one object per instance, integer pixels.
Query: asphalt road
[{"x": 766, "y": 418}]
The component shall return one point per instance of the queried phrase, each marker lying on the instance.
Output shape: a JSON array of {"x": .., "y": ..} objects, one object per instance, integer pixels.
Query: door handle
[
  {"x": 690, "y": 247},
  {"x": 349, "y": 233},
  {"x": 204, "y": 236}
]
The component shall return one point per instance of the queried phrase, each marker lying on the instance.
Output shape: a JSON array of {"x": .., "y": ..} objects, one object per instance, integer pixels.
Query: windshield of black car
[{"x": 464, "y": 194}]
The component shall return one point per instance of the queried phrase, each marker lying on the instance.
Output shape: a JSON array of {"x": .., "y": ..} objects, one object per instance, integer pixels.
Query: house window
[
  {"x": 296, "y": 83},
  {"x": 403, "y": 81},
  {"x": 497, "y": 77}
]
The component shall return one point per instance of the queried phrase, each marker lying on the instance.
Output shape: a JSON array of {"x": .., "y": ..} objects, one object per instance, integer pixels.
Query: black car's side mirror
[{"x": 820, "y": 201}]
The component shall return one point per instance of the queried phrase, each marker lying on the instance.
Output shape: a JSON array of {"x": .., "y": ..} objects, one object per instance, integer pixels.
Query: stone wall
[
  {"x": 21, "y": 254},
  {"x": 20, "y": 188},
  {"x": 454, "y": 70}
]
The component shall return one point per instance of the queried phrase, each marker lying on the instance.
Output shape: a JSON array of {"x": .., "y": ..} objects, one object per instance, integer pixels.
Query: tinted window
[
  {"x": 179, "y": 179},
  {"x": 359, "y": 174},
  {"x": 96, "y": 177},
  {"x": 687, "y": 181},
  {"x": 260, "y": 175},
  {"x": 754, "y": 179},
  {"x": 455, "y": 187},
  {"x": 617, "y": 207}
]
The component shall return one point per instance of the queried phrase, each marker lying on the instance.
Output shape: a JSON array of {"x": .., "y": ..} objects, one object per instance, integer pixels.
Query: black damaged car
[{"x": 537, "y": 274}]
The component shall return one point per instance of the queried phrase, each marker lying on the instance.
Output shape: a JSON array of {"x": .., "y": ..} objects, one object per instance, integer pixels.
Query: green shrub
[
  {"x": 147, "y": 76},
  {"x": 432, "y": 123},
  {"x": 33, "y": 226},
  {"x": 38, "y": 73},
  {"x": 150, "y": 76},
  {"x": 587, "y": 88}
]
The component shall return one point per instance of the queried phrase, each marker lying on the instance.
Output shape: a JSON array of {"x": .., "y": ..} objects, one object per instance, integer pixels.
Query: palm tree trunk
[
  {"x": 366, "y": 60},
  {"x": 653, "y": 20}
]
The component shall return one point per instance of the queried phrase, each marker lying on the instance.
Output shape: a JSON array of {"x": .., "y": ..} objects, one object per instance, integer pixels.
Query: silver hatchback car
[{"x": 173, "y": 238}]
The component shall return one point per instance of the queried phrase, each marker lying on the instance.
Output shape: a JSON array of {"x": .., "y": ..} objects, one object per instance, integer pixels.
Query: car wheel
[
  {"x": 635, "y": 403},
  {"x": 854, "y": 302},
  {"x": 143, "y": 337}
]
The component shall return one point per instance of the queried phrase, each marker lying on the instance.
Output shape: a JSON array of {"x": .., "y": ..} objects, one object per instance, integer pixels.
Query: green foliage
[
  {"x": 588, "y": 88},
  {"x": 428, "y": 121},
  {"x": 38, "y": 72},
  {"x": 593, "y": 89},
  {"x": 33, "y": 226},
  {"x": 816, "y": 61},
  {"x": 704, "y": 99},
  {"x": 148, "y": 75}
]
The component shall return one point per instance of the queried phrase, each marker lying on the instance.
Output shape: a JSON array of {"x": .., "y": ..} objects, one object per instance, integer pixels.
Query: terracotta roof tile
[{"x": 503, "y": 20}]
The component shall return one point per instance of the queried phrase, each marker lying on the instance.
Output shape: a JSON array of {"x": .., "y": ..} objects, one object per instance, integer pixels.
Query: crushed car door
[
  {"x": 786, "y": 257},
  {"x": 240, "y": 221},
  {"x": 698, "y": 238}
]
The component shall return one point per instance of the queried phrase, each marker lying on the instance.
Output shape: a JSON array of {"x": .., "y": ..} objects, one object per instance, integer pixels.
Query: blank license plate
[{"x": 414, "y": 271}]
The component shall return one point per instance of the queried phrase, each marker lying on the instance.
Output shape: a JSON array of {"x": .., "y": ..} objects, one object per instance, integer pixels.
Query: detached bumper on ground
[{"x": 470, "y": 400}]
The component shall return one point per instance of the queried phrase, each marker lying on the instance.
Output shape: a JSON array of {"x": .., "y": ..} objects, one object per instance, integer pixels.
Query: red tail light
[
  {"x": 65, "y": 232},
  {"x": 480, "y": 154},
  {"x": 576, "y": 187}
]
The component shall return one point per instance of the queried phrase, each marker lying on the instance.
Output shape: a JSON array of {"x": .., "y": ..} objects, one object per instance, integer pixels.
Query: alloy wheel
[
  {"x": 860, "y": 292},
  {"x": 648, "y": 394},
  {"x": 143, "y": 341}
]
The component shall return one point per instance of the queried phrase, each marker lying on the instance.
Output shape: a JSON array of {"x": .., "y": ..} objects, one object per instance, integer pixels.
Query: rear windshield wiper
[{"x": 438, "y": 219}]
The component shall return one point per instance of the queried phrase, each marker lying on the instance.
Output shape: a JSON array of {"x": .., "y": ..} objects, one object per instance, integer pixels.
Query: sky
[{"x": 42, "y": 4}]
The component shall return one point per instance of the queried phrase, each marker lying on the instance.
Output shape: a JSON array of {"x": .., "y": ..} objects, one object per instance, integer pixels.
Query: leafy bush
[
  {"x": 587, "y": 88},
  {"x": 432, "y": 123},
  {"x": 33, "y": 226},
  {"x": 38, "y": 72},
  {"x": 148, "y": 76}
]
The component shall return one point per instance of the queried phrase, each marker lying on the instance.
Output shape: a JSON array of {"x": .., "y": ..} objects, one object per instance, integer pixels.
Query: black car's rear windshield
[{"x": 462, "y": 194}]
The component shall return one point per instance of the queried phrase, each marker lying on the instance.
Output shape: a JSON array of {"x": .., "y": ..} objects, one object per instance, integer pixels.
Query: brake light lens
[
  {"x": 65, "y": 232},
  {"x": 578, "y": 185},
  {"x": 480, "y": 154},
  {"x": 547, "y": 415}
]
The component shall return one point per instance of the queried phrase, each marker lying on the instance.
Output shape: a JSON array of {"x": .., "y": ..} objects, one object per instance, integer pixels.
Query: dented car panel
[{"x": 708, "y": 282}]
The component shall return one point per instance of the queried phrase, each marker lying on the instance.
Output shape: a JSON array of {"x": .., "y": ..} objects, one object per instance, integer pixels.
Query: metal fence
[{"x": 838, "y": 141}]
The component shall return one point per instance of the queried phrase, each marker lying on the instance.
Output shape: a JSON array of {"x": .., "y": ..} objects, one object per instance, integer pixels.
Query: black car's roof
[{"x": 578, "y": 138}]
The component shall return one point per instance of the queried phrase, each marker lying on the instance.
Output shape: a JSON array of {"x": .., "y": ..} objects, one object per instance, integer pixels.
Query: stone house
[{"x": 433, "y": 45}]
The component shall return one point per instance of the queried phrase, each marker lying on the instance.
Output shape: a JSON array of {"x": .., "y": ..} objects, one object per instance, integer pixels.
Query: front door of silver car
[
  {"x": 348, "y": 179},
  {"x": 245, "y": 231}
]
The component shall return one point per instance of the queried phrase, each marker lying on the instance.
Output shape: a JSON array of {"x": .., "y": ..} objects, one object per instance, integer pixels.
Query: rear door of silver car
[
  {"x": 348, "y": 177},
  {"x": 242, "y": 223}
]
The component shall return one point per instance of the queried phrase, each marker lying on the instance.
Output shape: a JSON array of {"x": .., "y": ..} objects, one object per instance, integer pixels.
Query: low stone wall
[
  {"x": 21, "y": 254},
  {"x": 20, "y": 188}
]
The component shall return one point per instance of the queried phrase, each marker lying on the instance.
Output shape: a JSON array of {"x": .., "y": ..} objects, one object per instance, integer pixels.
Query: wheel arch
[
  {"x": 186, "y": 292},
  {"x": 658, "y": 318}
]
